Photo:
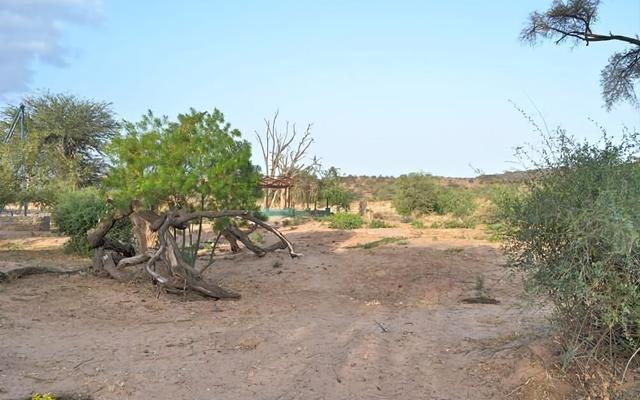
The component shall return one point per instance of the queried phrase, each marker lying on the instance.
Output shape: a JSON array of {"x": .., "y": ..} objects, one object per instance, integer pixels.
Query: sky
[{"x": 391, "y": 87}]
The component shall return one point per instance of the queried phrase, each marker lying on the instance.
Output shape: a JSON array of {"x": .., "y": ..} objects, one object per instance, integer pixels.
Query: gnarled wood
[
  {"x": 144, "y": 237},
  {"x": 126, "y": 249},
  {"x": 118, "y": 274},
  {"x": 157, "y": 249},
  {"x": 242, "y": 237},
  {"x": 97, "y": 235},
  {"x": 18, "y": 273},
  {"x": 233, "y": 241},
  {"x": 135, "y": 260},
  {"x": 240, "y": 214}
]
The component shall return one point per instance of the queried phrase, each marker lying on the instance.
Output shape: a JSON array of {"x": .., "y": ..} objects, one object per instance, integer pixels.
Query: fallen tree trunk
[
  {"x": 158, "y": 253},
  {"x": 19, "y": 272}
]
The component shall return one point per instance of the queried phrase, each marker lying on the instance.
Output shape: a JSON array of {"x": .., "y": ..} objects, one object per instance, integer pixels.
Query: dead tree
[
  {"x": 282, "y": 156},
  {"x": 158, "y": 254}
]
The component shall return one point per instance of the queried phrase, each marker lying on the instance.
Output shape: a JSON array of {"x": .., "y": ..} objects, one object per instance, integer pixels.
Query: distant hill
[
  {"x": 370, "y": 187},
  {"x": 506, "y": 177},
  {"x": 381, "y": 187}
]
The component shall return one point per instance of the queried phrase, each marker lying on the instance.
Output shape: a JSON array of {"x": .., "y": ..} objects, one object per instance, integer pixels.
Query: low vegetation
[
  {"x": 378, "y": 224},
  {"x": 417, "y": 224},
  {"x": 346, "y": 221},
  {"x": 295, "y": 221},
  {"x": 421, "y": 194},
  {"x": 576, "y": 236},
  {"x": 76, "y": 212}
]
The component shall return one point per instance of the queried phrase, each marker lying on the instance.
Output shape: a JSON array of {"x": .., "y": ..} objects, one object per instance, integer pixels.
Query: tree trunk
[
  {"x": 233, "y": 241},
  {"x": 144, "y": 238}
]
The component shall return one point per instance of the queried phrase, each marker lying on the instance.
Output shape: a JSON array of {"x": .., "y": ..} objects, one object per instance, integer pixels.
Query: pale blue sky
[{"x": 391, "y": 86}]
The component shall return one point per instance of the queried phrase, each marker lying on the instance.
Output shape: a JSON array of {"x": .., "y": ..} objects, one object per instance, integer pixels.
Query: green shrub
[
  {"x": 76, "y": 212},
  {"x": 417, "y": 224},
  {"x": 495, "y": 231},
  {"x": 457, "y": 201},
  {"x": 260, "y": 215},
  {"x": 339, "y": 197},
  {"x": 295, "y": 221},
  {"x": 455, "y": 223},
  {"x": 502, "y": 198},
  {"x": 257, "y": 237},
  {"x": 379, "y": 224},
  {"x": 416, "y": 192},
  {"x": 383, "y": 191},
  {"x": 420, "y": 193},
  {"x": 345, "y": 221},
  {"x": 9, "y": 185},
  {"x": 576, "y": 234},
  {"x": 495, "y": 195}
]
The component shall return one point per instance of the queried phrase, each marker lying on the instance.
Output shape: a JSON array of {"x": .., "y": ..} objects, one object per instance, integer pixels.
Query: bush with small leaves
[
  {"x": 455, "y": 223},
  {"x": 345, "y": 221},
  {"x": 576, "y": 235},
  {"x": 419, "y": 193},
  {"x": 378, "y": 224},
  {"x": 76, "y": 212}
]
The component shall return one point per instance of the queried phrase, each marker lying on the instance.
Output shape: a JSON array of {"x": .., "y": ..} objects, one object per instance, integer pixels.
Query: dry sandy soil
[{"x": 338, "y": 323}]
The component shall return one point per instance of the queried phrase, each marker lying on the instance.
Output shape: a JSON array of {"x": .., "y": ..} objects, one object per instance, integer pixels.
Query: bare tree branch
[
  {"x": 573, "y": 19},
  {"x": 280, "y": 156}
]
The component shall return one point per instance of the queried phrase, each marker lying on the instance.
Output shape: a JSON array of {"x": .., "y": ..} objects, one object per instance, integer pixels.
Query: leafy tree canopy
[
  {"x": 63, "y": 146},
  {"x": 197, "y": 161},
  {"x": 333, "y": 191}
]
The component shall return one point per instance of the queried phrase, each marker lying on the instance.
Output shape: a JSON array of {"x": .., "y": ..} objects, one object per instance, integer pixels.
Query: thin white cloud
[{"x": 32, "y": 30}]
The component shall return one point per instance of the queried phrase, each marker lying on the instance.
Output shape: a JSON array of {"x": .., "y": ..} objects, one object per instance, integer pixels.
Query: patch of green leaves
[
  {"x": 419, "y": 193},
  {"x": 576, "y": 235},
  {"x": 76, "y": 212},
  {"x": 345, "y": 221},
  {"x": 417, "y": 224},
  {"x": 378, "y": 224},
  {"x": 198, "y": 157}
]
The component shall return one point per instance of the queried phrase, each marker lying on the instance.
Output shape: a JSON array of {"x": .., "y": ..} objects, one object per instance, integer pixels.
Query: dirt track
[{"x": 339, "y": 323}]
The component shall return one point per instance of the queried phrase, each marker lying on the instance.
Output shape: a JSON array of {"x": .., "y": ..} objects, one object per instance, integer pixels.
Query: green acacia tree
[
  {"x": 9, "y": 191},
  {"x": 195, "y": 163},
  {"x": 333, "y": 192},
  {"x": 198, "y": 162},
  {"x": 63, "y": 146},
  {"x": 416, "y": 192}
]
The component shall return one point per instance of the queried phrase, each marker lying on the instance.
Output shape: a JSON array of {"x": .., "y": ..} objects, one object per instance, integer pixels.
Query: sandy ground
[{"x": 339, "y": 323}]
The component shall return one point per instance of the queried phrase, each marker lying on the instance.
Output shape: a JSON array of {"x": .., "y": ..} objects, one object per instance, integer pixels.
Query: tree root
[
  {"x": 163, "y": 261},
  {"x": 20, "y": 272}
]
